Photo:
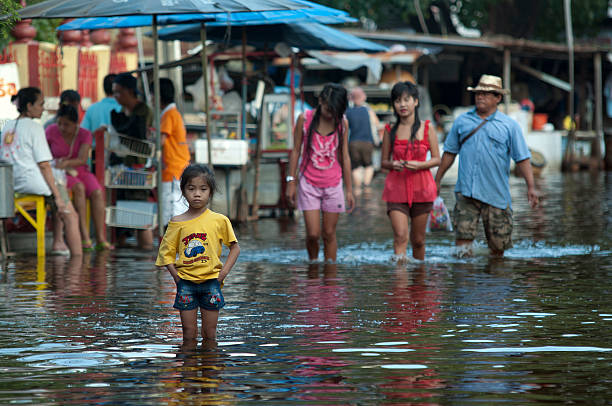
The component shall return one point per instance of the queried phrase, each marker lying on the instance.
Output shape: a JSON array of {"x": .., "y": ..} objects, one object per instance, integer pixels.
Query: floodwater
[{"x": 533, "y": 328}]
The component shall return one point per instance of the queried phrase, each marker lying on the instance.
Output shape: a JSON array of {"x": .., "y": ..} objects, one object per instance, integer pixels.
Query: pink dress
[
  {"x": 408, "y": 186},
  {"x": 320, "y": 166},
  {"x": 61, "y": 149}
]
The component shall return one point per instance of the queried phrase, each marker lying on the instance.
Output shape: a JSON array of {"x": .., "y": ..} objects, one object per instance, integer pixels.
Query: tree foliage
[
  {"x": 45, "y": 28},
  {"x": 530, "y": 19},
  {"x": 9, "y": 8},
  {"x": 541, "y": 19}
]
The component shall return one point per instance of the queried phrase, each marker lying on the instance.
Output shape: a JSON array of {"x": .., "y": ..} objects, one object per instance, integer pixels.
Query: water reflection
[
  {"x": 532, "y": 328},
  {"x": 195, "y": 376}
]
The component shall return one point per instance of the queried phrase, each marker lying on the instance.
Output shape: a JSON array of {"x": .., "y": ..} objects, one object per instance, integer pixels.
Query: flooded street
[{"x": 532, "y": 328}]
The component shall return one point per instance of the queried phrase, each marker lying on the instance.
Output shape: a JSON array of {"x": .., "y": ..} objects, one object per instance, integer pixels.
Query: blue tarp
[{"x": 306, "y": 36}]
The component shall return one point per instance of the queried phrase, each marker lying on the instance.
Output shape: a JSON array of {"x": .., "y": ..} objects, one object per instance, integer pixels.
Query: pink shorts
[{"x": 328, "y": 199}]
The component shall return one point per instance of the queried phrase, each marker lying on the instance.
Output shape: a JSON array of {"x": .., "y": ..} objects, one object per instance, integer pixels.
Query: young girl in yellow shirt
[{"x": 190, "y": 251}]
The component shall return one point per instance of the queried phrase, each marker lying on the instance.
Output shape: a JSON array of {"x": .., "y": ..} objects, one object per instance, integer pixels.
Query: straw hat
[{"x": 489, "y": 83}]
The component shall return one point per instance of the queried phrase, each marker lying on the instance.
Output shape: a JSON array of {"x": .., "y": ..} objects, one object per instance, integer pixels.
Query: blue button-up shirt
[
  {"x": 98, "y": 114},
  {"x": 484, "y": 159}
]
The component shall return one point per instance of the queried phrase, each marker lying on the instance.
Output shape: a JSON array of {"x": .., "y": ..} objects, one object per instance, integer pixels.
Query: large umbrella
[
  {"x": 314, "y": 13},
  {"x": 154, "y": 8}
]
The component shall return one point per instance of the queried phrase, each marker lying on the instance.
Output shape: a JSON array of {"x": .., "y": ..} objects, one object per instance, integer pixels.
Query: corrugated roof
[{"x": 515, "y": 45}]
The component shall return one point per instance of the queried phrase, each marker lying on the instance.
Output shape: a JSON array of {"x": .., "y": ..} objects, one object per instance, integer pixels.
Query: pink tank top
[
  {"x": 320, "y": 166},
  {"x": 408, "y": 186}
]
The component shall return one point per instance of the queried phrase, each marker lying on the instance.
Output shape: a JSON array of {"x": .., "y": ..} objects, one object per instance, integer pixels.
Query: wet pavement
[{"x": 532, "y": 328}]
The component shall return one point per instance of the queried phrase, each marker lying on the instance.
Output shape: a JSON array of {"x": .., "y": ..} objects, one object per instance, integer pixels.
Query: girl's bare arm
[
  {"x": 346, "y": 167},
  {"x": 172, "y": 269},
  {"x": 234, "y": 251}
]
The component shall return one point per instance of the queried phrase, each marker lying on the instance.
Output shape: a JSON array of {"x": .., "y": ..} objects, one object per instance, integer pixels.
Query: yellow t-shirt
[
  {"x": 194, "y": 246},
  {"x": 176, "y": 154}
]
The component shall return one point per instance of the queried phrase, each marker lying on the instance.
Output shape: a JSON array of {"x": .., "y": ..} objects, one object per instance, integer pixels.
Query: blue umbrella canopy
[
  {"x": 313, "y": 13},
  {"x": 307, "y": 36},
  {"x": 106, "y": 8}
]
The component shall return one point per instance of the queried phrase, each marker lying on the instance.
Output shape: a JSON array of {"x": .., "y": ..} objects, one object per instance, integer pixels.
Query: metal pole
[
  {"x": 292, "y": 88},
  {"x": 141, "y": 64},
  {"x": 156, "y": 112},
  {"x": 206, "y": 101},
  {"x": 507, "y": 60}
]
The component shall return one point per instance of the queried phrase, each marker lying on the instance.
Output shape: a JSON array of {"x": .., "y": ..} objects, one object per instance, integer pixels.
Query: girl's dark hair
[
  {"x": 25, "y": 96},
  {"x": 398, "y": 90},
  {"x": 195, "y": 170},
  {"x": 70, "y": 97},
  {"x": 166, "y": 90},
  {"x": 68, "y": 111},
  {"x": 335, "y": 96}
]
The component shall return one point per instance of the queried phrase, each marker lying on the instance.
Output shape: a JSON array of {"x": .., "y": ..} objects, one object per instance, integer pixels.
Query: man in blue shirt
[
  {"x": 485, "y": 140},
  {"x": 363, "y": 130},
  {"x": 98, "y": 114}
]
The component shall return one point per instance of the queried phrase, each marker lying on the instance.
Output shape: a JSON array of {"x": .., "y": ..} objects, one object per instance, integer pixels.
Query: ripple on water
[
  {"x": 72, "y": 360},
  {"x": 547, "y": 348},
  {"x": 381, "y": 253}
]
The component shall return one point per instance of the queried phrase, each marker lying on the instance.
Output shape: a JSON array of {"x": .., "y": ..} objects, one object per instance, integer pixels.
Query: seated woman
[
  {"x": 23, "y": 145},
  {"x": 70, "y": 146}
]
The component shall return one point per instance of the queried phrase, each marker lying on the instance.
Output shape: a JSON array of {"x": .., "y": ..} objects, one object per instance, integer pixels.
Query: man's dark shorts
[
  {"x": 360, "y": 153},
  {"x": 191, "y": 295},
  {"x": 497, "y": 222}
]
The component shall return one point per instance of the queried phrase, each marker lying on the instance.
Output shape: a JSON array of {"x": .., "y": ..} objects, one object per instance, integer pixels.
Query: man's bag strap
[{"x": 472, "y": 132}]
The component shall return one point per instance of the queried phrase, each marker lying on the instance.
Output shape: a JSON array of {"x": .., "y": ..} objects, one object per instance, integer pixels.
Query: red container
[{"x": 539, "y": 119}]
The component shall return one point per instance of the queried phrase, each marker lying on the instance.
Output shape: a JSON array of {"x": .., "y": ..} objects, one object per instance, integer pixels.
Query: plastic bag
[
  {"x": 58, "y": 174},
  {"x": 439, "y": 219}
]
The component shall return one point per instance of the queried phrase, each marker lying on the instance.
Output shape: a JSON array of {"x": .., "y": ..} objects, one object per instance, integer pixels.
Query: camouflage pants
[{"x": 497, "y": 222}]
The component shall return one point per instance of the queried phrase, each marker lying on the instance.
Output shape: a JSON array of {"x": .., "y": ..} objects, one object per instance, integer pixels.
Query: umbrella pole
[
  {"x": 243, "y": 204},
  {"x": 244, "y": 85},
  {"x": 206, "y": 101},
  {"x": 156, "y": 112}
]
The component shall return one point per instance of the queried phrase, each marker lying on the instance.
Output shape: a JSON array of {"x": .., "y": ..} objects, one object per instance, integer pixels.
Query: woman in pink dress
[{"x": 70, "y": 146}]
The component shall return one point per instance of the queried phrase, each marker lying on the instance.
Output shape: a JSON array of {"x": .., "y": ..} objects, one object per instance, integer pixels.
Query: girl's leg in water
[
  {"x": 209, "y": 327},
  {"x": 189, "y": 320},
  {"x": 417, "y": 235},
  {"x": 330, "y": 244},
  {"x": 312, "y": 220},
  {"x": 399, "y": 223}
]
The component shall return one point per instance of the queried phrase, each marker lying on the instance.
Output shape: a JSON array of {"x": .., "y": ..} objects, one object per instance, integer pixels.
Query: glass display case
[{"x": 276, "y": 123}]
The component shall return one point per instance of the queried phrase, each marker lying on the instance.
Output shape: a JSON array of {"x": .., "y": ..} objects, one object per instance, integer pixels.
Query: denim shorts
[{"x": 191, "y": 295}]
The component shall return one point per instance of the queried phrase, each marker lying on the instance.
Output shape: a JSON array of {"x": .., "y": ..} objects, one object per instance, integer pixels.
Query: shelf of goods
[{"x": 136, "y": 214}]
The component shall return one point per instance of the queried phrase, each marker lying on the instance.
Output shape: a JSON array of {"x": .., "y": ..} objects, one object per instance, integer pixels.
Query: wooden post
[
  {"x": 568, "y": 158},
  {"x": 598, "y": 86}
]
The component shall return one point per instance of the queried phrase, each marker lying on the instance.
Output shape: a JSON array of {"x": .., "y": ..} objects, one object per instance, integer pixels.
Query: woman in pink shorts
[
  {"x": 70, "y": 146},
  {"x": 321, "y": 141}
]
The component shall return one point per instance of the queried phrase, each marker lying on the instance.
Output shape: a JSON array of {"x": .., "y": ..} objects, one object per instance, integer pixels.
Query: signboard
[{"x": 9, "y": 85}]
